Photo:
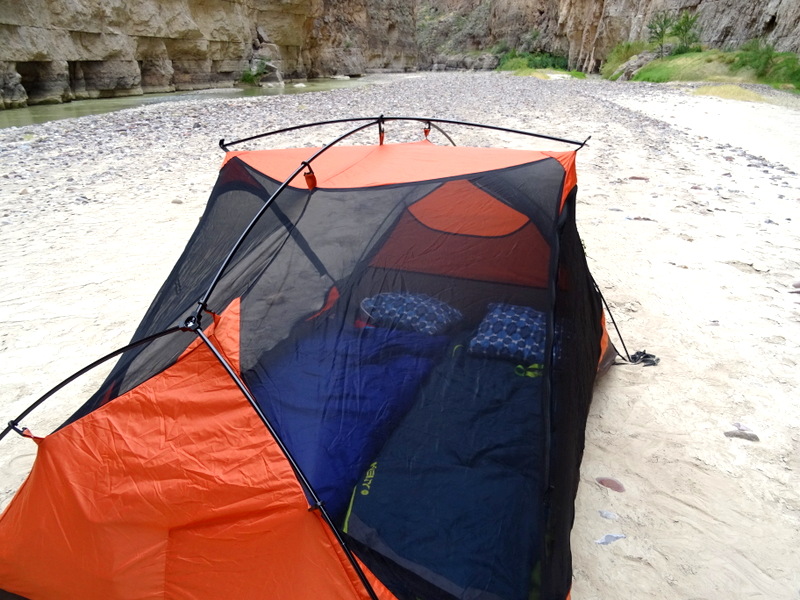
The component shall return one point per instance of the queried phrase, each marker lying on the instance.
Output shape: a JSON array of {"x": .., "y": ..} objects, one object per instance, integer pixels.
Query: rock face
[
  {"x": 722, "y": 24},
  {"x": 351, "y": 37},
  {"x": 59, "y": 50},
  {"x": 586, "y": 30}
]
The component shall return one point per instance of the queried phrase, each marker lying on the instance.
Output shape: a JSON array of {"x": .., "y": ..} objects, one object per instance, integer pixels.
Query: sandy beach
[{"x": 689, "y": 209}]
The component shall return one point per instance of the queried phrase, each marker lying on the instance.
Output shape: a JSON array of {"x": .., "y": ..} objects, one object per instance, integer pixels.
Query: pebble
[
  {"x": 610, "y": 538},
  {"x": 611, "y": 483},
  {"x": 745, "y": 435}
]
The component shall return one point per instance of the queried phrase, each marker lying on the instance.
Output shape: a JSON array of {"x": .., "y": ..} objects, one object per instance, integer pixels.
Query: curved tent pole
[
  {"x": 306, "y": 484},
  {"x": 382, "y": 119},
  {"x": 303, "y": 165},
  {"x": 442, "y": 131},
  {"x": 14, "y": 423}
]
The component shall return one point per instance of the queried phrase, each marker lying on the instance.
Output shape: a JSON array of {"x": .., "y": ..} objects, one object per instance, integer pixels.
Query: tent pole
[
  {"x": 226, "y": 145},
  {"x": 305, "y": 164},
  {"x": 14, "y": 424},
  {"x": 318, "y": 505}
]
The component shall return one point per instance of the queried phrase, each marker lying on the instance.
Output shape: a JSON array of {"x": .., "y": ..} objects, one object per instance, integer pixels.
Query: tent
[{"x": 367, "y": 377}]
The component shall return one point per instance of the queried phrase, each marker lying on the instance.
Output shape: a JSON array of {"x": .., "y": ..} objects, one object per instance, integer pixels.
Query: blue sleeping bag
[
  {"x": 454, "y": 497},
  {"x": 335, "y": 395}
]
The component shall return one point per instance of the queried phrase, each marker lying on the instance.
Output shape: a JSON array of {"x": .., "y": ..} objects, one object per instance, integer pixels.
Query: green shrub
[
  {"x": 659, "y": 27},
  {"x": 619, "y": 55},
  {"x": 786, "y": 70},
  {"x": 685, "y": 29},
  {"x": 253, "y": 77},
  {"x": 514, "y": 61},
  {"x": 545, "y": 60},
  {"x": 757, "y": 55}
]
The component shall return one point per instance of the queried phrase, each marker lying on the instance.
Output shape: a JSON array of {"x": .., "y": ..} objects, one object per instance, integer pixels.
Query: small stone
[
  {"x": 610, "y": 538},
  {"x": 745, "y": 435},
  {"x": 611, "y": 483},
  {"x": 607, "y": 514}
]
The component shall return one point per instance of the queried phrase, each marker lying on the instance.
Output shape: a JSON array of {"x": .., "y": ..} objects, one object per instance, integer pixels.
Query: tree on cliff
[
  {"x": 660, "y": 26},
  {"x": 684, "y": 28}
]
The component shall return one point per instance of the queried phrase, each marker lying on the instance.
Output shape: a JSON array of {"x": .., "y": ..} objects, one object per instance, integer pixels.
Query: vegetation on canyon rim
[
  {"x": 675, "y": 39},
  {"x": 680, "y": 57}
]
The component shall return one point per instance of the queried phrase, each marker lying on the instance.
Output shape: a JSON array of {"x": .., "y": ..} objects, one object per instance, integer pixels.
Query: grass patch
[
  {"x": 730, "y": 92},
  {"x": 754, "y": 63},
  {"x": 526, "y": 72},
  {"x": 785, "y": 71},
  {"x": 549, "y": 73},
  {"x": 779, "y": 69},
  {"x": 713, "y": 65},
  {"x": 619, "y": 55},
  {"x": 516, "y": 63}
]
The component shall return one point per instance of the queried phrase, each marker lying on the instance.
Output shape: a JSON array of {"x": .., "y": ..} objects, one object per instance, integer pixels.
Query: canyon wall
[
  {"x": 586, "y": 30},
  {"x": 592, "y": 32},
  {"x": 59, "y": 50}
]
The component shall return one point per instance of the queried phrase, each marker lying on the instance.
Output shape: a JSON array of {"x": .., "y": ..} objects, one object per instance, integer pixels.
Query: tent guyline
[{"x": 641, "y": 357}]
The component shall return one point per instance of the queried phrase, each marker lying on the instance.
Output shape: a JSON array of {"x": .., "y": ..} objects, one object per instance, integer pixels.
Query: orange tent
[{"x": 367, "y": 377}]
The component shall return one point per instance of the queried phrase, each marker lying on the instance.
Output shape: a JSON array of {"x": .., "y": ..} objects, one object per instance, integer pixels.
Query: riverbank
[
  {"x": 688, "y": 208},
  {"x": 35, "y": 115}
]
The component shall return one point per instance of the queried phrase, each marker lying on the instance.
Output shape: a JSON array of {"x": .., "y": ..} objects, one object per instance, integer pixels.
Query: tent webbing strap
[
  {"x": 638, "y": 358},
  {"x": 203, "y": 304},
  {"x": 301, "y": 242}
]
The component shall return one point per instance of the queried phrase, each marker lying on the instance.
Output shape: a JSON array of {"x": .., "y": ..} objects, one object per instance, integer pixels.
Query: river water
[{"x": 17, "y": 117}]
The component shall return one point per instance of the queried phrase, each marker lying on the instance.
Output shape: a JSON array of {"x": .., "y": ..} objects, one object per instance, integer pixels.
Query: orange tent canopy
[{"x": 392, "y": 164}]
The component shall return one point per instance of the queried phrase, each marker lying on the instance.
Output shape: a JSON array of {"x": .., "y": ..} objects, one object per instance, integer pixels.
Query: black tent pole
[
  {"x": 318, "y": 505},
  {"x": 226, "y": 145},
  {"x": 204, "y": 301},
  {"x": 14, "y": 424}
]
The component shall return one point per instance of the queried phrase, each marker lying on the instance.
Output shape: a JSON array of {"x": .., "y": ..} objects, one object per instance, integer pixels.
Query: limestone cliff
[
  {"x": 357, "y": 36},
  {"x": 59, "y": 50},
  {"x": 586, "y": 30},
  {"x": 591, "y": 34}
]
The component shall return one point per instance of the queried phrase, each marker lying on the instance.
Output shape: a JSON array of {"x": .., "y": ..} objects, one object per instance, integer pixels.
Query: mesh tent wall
[{"x": 382, "y": 394}]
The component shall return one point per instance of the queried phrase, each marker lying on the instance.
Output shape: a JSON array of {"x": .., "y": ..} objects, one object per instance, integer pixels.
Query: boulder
[
  {"x": 12, "y": 94},
  {"x": 634, "y": 64}
]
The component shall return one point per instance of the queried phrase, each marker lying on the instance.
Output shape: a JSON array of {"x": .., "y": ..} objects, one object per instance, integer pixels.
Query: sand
[{"x": 689, "y": 209}]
